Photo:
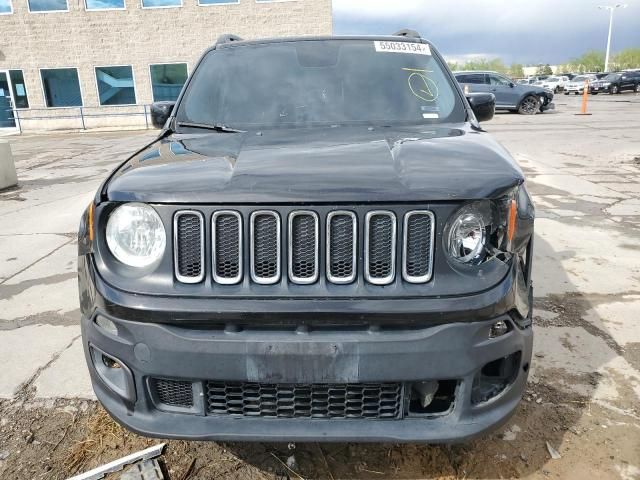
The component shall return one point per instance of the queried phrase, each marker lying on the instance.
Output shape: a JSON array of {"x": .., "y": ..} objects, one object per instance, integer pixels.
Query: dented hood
[{"x": 322, "y": 165}]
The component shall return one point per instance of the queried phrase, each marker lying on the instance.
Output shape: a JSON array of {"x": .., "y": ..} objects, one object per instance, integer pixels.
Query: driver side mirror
[
  {"x": 483, "y": 105},
  {"x": 160, "y": 112}
]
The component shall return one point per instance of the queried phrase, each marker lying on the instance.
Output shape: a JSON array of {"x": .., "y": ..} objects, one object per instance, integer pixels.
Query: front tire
[
  {"x": 529, "y": 106},
  {"x": 637, "y": 89},
  {"x": 614, "y": 90}
]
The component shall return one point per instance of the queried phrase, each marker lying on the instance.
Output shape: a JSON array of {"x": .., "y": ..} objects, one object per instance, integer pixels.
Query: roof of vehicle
[{"x": 476, "y": 71}]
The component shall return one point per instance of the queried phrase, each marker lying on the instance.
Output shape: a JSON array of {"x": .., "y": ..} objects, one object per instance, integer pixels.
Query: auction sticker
[{"x": 402, "y": 47}]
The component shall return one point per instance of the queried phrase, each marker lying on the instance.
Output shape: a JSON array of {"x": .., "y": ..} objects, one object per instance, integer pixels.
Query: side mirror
[
  {"x": 511, "y": 84},
  {"x": 160, "y": 112},
  {"x": 483, "y": 105}
]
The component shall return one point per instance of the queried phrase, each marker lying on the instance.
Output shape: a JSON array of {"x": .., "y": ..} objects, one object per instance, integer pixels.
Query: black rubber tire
[
  {"x": 566, "y": 93},
  {"x": 614, "y": 90},
  {"x": 594, "y": 93},
  {"x": 529, "y": 105},
  {"x": 637, "y": 89}
]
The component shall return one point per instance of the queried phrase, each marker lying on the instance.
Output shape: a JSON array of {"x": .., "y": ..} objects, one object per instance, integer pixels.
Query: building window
[
  {"x": 217, "y": 2},
  {"x": 61, "y": 87},
  {"x": 6, "y": 7},
  {"x": 19, "y": 89},
  {"x": 104, "y": 4},
  {"x": 167, "y": 80},
  {"x": 161, "y": 3},
  {"x": 116, "y": 85},
  {"x": 48, "y": 6}
]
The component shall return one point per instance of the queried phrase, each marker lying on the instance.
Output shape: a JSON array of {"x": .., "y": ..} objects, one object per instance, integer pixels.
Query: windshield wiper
[{"x": 216, "y": 127}]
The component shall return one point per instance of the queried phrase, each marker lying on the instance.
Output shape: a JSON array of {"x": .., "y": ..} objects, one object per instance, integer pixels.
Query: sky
[{"x": 520, "y": 31}]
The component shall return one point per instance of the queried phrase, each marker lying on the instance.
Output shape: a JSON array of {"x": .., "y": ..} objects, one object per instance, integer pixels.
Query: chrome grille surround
[
  {"x": 257, "y": 249},
  {"x": 217, "y": 277},
  {"x": 374, "y": 255},
  {"x": 178, "y": 251},
  {"x": 294, "y": 245},
  {"x": 332, "y": 275},
  {"x": 409, "y": 244}
]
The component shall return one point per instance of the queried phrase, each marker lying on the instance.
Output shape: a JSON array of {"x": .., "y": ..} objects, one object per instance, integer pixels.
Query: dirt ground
[{"x": 582, "y": 403}]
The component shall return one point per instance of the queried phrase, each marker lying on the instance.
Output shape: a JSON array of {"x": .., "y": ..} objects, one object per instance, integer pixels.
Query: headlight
[
  {"x": 136, "y": 235},
  {"x": 481, "y": 230}
]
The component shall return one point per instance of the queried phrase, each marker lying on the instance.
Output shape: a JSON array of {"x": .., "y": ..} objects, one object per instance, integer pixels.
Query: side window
[
  {"x": 497, "y": 80},
  {"x": 471, "y": 78}
]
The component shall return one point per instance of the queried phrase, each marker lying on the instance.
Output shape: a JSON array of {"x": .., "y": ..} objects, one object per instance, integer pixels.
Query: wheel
[
  {"x": 614, "y": 89},
  {"x": 556, "y": 90},
  {"x": 594, "y": 93},
  {"x": 566, "y": 93},
  {"x": 529, "y": 106},
  {"x": 637, "y": 89}
]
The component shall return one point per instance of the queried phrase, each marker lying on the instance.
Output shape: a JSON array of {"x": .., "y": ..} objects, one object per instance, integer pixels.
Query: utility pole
[{"x": 611, "y": 8}]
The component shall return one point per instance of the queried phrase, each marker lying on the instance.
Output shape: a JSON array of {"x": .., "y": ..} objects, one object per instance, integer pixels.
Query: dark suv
[
  {"x": 616, "y": 83},
  {"x": 321, "y": 244},
  {"x": 516, "y": 97}
]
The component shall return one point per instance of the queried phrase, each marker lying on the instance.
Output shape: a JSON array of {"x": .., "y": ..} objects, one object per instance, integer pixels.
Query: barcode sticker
[{"x": 402, "y": 47}]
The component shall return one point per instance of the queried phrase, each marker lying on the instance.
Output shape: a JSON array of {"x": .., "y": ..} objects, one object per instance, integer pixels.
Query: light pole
[{"x": 611, "y": 8}]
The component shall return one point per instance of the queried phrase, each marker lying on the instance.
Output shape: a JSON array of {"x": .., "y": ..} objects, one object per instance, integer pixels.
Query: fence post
[
  {"x": 82, "y": 119},
  {"x": 146, "y": 120},
  {"x": 16, "y": 117}
]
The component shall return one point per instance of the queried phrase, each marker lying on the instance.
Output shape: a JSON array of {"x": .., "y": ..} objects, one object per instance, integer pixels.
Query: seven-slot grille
[
  {"x": 305, "y": 245},
  {"x": 314, "y": 400}
]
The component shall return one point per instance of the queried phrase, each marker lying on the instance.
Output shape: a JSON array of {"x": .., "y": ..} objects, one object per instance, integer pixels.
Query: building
[{"x": 100, "y": 63}]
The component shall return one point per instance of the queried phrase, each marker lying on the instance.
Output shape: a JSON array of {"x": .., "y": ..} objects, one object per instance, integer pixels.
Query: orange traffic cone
[{"x": 585, "y": 99}]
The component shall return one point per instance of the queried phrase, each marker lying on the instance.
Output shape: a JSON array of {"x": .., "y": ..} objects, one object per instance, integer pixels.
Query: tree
[
  {"x": 591, "y": 61},
  {"x": 627, "y": 58},
  {"x": 516, "y": 70}
]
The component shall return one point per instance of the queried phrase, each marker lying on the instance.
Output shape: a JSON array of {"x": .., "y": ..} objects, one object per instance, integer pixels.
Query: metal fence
[{"x": 22, "y": 116}]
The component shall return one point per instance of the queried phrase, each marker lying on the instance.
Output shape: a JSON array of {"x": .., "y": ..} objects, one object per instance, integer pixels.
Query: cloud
[{"x": 519, "y": 30}]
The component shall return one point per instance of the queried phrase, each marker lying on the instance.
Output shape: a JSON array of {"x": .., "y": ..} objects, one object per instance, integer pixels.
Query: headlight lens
[
  {"x": 466, "y": 237},
  {"x": 136, "y": 235}
]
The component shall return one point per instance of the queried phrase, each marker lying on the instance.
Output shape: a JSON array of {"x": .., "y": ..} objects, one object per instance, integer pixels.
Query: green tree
[
  {"x": 591, "y": 61},
  {"x": 627, "y": 58},
  {"x": 516, "y": 70}
]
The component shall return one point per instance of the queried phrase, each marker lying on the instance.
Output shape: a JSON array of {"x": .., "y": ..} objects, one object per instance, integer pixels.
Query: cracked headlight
[
  {"x": 481, "y": 230},
  {"x": 136, "y": 235}
]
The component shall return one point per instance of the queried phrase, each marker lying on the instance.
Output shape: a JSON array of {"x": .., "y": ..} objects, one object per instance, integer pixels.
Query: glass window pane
[
  {"x": 115, "y": 85},
  {"x": 167, "y": 81},
  {"x": 47, "y": 5},
  {"x": 5, "y": 6},
  {"x": 61, "y": 87},
  {"x": 104, "y": 4},
  {"x": 19, "y": 89},
  {"x": 161, "y": 3},
  {"x": 214, "y": 2}
]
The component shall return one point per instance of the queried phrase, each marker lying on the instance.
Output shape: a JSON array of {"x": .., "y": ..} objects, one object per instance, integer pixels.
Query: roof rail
[
  {"x": 228, "y": 38},
  {"x": 405, "y": 32}
]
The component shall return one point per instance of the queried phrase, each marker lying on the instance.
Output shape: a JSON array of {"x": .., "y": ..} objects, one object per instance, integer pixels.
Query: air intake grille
[
  {"x": 375, "y": 401},
  {"x": 303, "y": 247},
  {"x": 380, "y": 247},
  {"x": 175, "y": 393},
  {"x": 396, "y": 245},
  {"x": 227, "y": 247},
  {"x": 265, "y": 248},
  {"x": 418, "y": 239},
  {"x": 341, "y": 247},
  {"x": 189, "y": 240}
]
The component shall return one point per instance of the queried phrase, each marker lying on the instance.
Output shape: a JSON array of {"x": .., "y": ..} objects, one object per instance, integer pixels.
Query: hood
[{"x": 320, "y": 165}]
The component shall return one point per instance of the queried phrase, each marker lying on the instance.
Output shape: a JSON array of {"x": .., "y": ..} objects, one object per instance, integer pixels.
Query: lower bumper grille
[{"x": 245, "y": 399}]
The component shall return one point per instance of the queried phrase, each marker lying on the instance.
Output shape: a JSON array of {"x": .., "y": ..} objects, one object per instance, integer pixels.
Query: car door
[
  {"x": 506, "y": 94},
  {"x": 476, "y": 82}
]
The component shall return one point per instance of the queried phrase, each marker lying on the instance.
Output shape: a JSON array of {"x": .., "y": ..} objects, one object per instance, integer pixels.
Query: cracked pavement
[{"x": 583, "y": 172}]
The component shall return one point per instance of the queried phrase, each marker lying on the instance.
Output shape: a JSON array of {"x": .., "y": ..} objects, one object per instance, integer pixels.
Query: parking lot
[{"x": 583, "y": 400}]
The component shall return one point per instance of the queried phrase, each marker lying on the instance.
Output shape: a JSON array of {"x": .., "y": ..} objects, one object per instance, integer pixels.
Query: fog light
[
  {"x": 498, "y": 329},
  {"x": 113, "y": 373},
  {"x": 107, "y": 325}
]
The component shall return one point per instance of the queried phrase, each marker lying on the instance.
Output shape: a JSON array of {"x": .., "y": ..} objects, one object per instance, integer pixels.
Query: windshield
[
  {"x": 316, "y": 82},
  {"x": 580, "y": 78}
]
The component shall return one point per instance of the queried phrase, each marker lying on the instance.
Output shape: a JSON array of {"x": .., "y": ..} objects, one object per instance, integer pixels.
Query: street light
[{"x": 611, "y": 8}]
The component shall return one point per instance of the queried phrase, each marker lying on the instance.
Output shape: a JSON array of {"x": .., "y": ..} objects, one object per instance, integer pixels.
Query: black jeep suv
[{"x": 321, "y": 244}]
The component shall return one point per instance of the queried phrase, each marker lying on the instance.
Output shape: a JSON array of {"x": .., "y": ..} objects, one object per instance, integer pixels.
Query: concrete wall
[{"x": 137, "y": 37}]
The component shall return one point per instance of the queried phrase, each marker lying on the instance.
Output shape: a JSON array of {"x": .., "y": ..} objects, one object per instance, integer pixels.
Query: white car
[
  {"x": 576, "y": 86},
  {"x": 554, "y": 83}
]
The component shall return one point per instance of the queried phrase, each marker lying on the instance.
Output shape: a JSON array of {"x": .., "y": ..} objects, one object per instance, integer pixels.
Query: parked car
[
  {"x": 576, "y": 86},
  {"x": 524, "y": 99},
  {"x": 336, "y": 252},
  {"x": 617, "y": 82},
  {"x": 553, "y": 83}
]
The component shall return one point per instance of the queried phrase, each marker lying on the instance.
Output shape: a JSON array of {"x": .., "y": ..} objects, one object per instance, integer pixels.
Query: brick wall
[{"x": 137, "y": 37}]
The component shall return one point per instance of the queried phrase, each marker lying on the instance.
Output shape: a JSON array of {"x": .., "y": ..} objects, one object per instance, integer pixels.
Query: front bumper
[{"x": 456, "y": 350}]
